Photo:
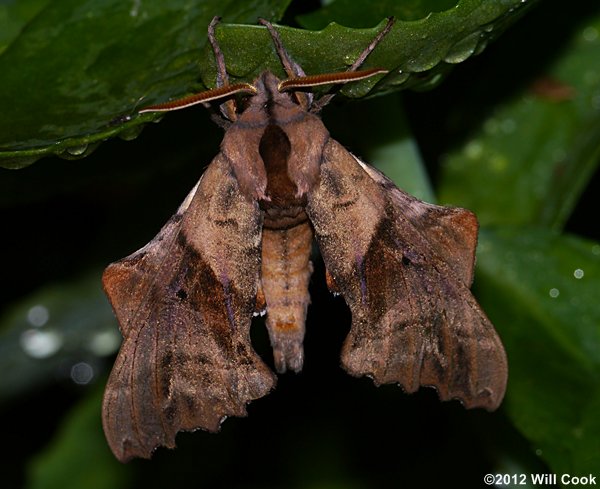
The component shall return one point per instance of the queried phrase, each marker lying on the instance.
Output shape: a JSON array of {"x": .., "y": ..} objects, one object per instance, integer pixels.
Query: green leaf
[
  {"x": 79, "y": 456},
  {"x": 47, "y": 333},
  {"x": 15, "y": 16},
  {"x": 541, "y": 290},
  {"x": 354, "y": 14},
  {"x": 85, "y": 68},
  {"x": 84, "y": 64},
  {"x": 531, "y": 158}
]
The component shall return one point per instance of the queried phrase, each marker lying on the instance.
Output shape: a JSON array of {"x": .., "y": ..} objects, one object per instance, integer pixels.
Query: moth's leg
[
  {"x": 228, "y": 108},
  {"x": 260, "y": 308},
  {"x": 222, "y": 76},
  {"x": 372, "y": 45},
  {"x": 291, "y": 68},
  {"x": 331, "y": 285},
  {"x": 325, "y": 99}
]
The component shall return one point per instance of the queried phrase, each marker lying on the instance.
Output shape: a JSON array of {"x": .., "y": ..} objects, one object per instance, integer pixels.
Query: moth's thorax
[{"x": 275, "y": 148}]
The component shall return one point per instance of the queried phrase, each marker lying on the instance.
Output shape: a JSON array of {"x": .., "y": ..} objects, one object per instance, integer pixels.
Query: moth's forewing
[{"x": 185, "y": 303}]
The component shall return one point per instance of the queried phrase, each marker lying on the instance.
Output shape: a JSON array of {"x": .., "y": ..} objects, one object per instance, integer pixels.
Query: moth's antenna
[
  {"x": 325, "y": 99},
  {"x": 202, "y": 98},
  {"x": 301, "y": 82}
]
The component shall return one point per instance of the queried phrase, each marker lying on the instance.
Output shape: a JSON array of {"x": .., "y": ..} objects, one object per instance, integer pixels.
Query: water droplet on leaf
[
  {"x": 82, "y": 373},
  {"x": 474, "y": 149},
  {"x": 131, "y": 133},
  {"x": 77, "y": 150},
  {"x": 463, "y": 49},
  {"x": 40, "y": 344},
  {"x": 590, "y": 34},
  {"x": 38, "y": 315}
]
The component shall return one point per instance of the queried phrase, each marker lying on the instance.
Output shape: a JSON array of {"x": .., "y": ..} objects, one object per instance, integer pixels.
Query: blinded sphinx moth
[{"x": 240, "y": 244}]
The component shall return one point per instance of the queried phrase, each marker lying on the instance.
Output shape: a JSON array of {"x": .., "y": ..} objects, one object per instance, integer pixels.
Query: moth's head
[{"x": 266, "y": 87}]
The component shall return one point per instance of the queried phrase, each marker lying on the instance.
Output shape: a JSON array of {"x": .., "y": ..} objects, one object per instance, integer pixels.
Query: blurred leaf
[
  {"x": 541, "y": 291},
  {"x": 525, "y": 165},
  {"x": 377, "y": 131},
  {"x": 530, "y": 160},
  {"x": 44, "y": 335},
  {"x": 89, "y": 66},
  {"x": 79, "y": 457},
  {"x": 14, "y": 16}
]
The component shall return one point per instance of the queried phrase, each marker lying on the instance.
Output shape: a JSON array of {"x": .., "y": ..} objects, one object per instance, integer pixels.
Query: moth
[{"x": 240, "y": 244}]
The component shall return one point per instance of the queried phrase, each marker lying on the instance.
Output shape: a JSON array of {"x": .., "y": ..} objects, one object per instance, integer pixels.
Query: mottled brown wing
[
  {"x": 184, "y": 303},
  {"x": 404, "y": 268}
]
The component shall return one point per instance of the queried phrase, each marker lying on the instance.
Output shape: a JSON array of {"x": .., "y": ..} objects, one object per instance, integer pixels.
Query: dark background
[{"x": 320, "y": 428}]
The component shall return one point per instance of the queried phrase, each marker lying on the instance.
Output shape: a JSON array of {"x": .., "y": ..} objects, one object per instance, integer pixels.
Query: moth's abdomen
[{"x": 286, "y": 270}]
